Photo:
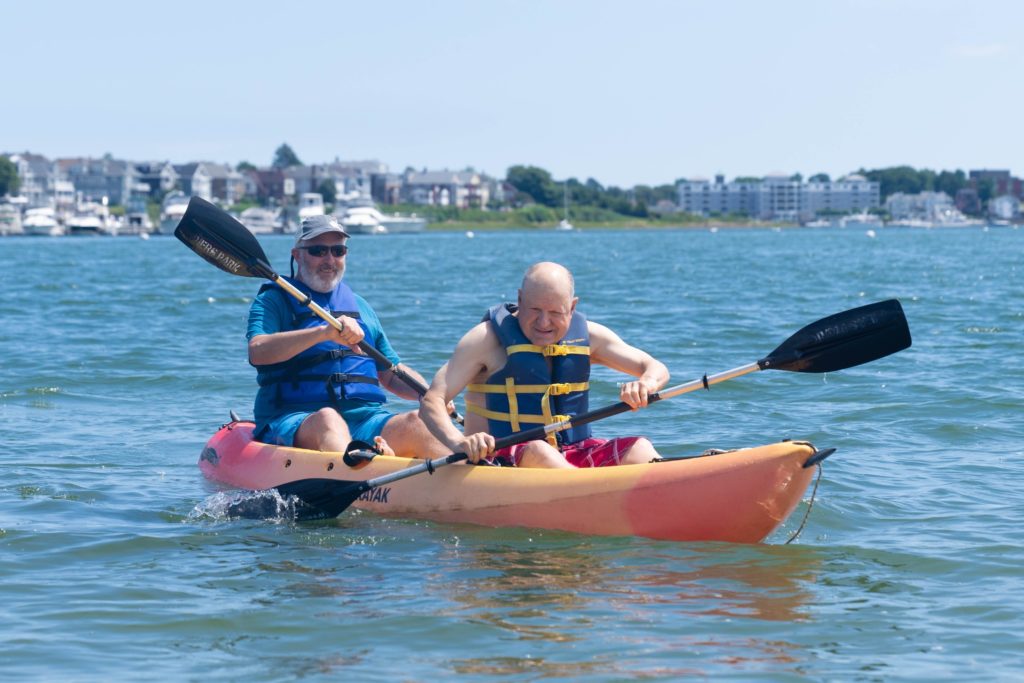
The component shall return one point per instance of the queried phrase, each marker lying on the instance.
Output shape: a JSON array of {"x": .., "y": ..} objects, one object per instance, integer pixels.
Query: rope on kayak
[{"x": 807, "y": 513}]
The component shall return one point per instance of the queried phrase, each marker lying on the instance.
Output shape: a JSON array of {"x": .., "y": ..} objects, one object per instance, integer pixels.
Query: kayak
[{"x": 738, "y": 496}]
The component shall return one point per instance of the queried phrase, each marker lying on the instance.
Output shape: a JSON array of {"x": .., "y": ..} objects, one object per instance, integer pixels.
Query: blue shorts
[{"x": 364, "y": 423}]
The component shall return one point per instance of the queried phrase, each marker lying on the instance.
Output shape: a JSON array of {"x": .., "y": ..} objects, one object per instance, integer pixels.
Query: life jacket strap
[
  {"x": 290, "y": 369},
  {"x": 342, "y": 377},
  {"x": 504, "y": 417},
  {"x": 549, "y": 350},
  {"x": 557, "y": 389},
  {"x": 563, "y": 388}
]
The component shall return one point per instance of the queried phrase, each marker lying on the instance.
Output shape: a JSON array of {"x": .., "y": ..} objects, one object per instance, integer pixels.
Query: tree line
[{"x": 590, "y": 200}]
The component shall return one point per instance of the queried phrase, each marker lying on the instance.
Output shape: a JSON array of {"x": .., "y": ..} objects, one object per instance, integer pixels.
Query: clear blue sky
[{"x": 626, "y": 92}]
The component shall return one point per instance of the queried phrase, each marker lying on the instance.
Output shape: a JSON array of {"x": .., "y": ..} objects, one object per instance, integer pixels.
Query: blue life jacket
[
  {"x": 527, "y": 392},
  {"x": 326, "y": 372}
]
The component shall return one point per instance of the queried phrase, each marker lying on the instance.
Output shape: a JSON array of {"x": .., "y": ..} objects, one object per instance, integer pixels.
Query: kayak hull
[{"x": 738, "y": 496}]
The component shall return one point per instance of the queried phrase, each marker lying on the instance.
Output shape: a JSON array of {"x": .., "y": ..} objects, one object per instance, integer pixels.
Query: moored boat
[
  {"x": 171, "y": 210},
  {"x": 41, "y": 221},
  {"x": 362, "y": 220},
  {"x": 89, "y": 218},
  {"x": 738, "y": 496},
  {"x": 310, "y": 204},
  {"x": 261, "y": 221},
  {"x": 10, "y": 220}
]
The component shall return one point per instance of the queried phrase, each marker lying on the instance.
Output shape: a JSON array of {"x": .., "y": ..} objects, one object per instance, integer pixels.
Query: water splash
[{"x": 266, "y": 505}]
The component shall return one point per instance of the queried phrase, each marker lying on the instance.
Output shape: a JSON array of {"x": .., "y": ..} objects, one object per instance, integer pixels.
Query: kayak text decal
[{"x": 379, "y": 495}]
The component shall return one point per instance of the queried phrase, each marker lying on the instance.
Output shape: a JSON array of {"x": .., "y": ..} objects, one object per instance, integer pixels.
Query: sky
[{"x": 626, "y": 92}]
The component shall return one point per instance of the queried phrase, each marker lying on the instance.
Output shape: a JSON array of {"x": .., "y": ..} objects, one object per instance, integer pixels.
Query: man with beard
[{"x": 317, "y": 389}]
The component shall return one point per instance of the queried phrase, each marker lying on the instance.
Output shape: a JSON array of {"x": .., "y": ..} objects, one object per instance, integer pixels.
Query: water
[{"x": 120, "y": 357}]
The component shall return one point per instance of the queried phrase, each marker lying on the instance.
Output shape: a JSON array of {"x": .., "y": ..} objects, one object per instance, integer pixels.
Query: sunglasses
[{"x": 320, "y": 250}]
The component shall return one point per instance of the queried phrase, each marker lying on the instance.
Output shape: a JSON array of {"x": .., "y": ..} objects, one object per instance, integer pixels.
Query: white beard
[{"x": 321, "y": 281}]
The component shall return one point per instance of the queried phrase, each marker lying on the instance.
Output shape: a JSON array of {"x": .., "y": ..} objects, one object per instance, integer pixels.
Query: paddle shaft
[
  {"x": 227, "y": 244},
  {"x": 541, "y": 432},
  {"x": 365, "y": 347},
  {"x": 843, "y": 340}
]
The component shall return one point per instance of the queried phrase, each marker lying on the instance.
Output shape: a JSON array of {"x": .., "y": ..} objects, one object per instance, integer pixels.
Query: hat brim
[{"x": 316, "y": 232}]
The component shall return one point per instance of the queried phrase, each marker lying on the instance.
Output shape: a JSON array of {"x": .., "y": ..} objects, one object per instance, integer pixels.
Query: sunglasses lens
[{"x": 320, "y": 250}]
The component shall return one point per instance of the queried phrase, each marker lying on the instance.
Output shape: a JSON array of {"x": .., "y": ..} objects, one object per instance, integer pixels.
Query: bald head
[
  {"x": 546, "y": 303},
  {"x": 549, "y": 277}
]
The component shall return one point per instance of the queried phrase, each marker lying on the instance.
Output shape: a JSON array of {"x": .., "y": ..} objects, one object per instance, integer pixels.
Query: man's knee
[
  {"x": 542, "y": 454},
  {"x": 324, "y": 429},
  {"x": 409, "y": 436},
  {"x": 642, "y": 451}
]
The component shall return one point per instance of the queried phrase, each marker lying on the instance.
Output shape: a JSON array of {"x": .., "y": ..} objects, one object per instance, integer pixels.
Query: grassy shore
[
  {"x": 535, "y": 217},
  {"x": 629, "y": 224}
]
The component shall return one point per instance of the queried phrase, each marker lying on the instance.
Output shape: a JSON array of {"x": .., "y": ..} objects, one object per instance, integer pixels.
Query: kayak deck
[{"x": 738, "y": 496}]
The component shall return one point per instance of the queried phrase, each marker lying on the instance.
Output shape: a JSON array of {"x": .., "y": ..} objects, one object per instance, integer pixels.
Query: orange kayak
[{"x": 739, "y": 496}]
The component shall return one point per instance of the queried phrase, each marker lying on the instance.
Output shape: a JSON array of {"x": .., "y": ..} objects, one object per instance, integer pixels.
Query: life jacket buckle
[
  {"x": 555, "y": 350},
  {"x": 560, "y": 389}
]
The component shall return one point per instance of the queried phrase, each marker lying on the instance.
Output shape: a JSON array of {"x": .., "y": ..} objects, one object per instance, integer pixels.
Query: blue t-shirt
[{"x": 271, "y": 313}]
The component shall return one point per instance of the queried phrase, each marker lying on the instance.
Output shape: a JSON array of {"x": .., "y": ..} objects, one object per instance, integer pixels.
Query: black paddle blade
[
  {"x": 220, "y": 239},
  {"x": 859, "y": 335},
  {"x": 303, "y": 500},
  {"x": 322, "y": 498}
]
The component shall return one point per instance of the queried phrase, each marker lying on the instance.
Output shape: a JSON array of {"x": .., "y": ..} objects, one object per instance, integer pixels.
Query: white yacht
[
  {"x": 910, "y": 223},
  {"x": 953, "y": 218},
  {"x": 136, "y": 212},
  {"x": 310, "y": 204},
  {"x": 41, "y": 221},
  {"x": 362, "y": 217},
  {"x": 362, "y": 220},
  {"x": 136, "y": 223},
  {"x": 89, "y": 218},
  {"x": 397, "y": 223},
  {"x": 171, "y": 211},
  {"x": 862, "y": 219},
  {"x": 261, "y": 221}
]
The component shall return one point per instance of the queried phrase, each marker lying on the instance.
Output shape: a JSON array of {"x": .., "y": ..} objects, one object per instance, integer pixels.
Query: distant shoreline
[{"x": 457, "y": 226}]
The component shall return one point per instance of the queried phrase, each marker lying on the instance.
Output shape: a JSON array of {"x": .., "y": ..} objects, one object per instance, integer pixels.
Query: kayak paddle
[
  {"x": 213, "y": 234},
  {"x": 844, "y": 340}
]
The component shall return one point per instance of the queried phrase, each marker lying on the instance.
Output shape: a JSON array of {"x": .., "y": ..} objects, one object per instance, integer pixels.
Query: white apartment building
[{"x": 778, "y": 197}]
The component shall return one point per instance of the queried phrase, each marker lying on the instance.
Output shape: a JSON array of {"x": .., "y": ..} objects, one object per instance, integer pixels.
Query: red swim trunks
[{"x": 587, "y": 453}]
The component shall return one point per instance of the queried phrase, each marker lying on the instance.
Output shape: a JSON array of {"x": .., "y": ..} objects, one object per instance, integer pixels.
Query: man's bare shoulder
[
  {"x": 480, "y": 348},
  {"x": 480, "y": 336},
  {"x": 600, "y": 334}
]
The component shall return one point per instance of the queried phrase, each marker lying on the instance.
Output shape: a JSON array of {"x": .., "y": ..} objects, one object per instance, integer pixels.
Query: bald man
[{"x": 529, "y": 364}]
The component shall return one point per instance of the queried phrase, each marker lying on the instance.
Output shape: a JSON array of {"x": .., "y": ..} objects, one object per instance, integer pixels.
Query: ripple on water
[{"x": 909, "y": 565}]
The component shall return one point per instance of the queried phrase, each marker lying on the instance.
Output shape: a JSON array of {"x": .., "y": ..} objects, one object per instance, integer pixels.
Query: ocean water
[{"x": 120, "y": 357}]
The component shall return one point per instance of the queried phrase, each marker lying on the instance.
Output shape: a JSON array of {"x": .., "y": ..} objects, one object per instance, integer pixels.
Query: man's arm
[
  {"x": 390, "y": 381},
  {"x": 267, "y": 349},
  {"x": 607, "y": 348},
  {"x": 467, "y": 362}
]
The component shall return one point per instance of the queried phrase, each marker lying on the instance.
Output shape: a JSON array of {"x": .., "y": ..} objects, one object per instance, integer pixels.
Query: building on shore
[
  {"x": 778, "y": 197},
  {"x": 923, "y": 205}
]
